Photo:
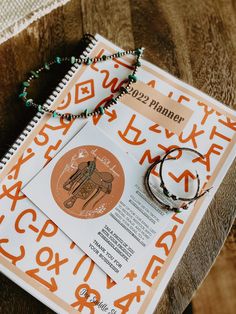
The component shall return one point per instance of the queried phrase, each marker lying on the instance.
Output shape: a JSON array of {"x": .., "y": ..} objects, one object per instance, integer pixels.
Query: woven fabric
[{"x": 15, "y": 15}]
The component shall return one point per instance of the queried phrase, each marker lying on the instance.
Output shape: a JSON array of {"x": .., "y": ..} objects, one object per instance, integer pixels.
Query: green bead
[
  {"x": 88, "y": 61},
  {"x": 46, "y": 66},
  {"x": 35, "y": 74},
  {"x": 72, "y": 60},
  {"x": 101, "y": 110},
  {"x": 24, "y": 94},
  {"x": 104, "y": 57},
  {"x": 28, "y": 102},
  {"x": 58, "y": 60},
  {"x": 54, "y": 114},
  {"x": 40, "y": 108},
  {"x": 85, "y": 112},
  {"x": 132, "y": 78},
  {"x": 138, "y": 64},
  {"x": 114, "y": 100},
  {"x": 138, "y": 51},
  {"x": 118, "y": 54},
  {"x": 26, "y": 84}
]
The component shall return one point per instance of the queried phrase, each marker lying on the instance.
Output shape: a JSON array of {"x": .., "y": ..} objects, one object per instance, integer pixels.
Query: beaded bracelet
[
  {"x": 132, "y": 78},
  {"x": 162, "y": 184},
  {"x": 148, "y": 188}
]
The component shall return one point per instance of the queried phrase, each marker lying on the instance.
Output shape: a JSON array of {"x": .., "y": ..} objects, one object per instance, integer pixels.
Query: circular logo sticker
[{"x": 87, "y": 182}]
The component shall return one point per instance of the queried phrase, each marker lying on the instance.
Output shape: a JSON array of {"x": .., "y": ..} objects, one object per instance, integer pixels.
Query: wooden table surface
[{"x": 193, "y": 40}]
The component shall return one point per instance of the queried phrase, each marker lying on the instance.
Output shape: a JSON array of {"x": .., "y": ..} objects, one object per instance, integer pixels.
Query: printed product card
[{"x": 94, "y": 192}]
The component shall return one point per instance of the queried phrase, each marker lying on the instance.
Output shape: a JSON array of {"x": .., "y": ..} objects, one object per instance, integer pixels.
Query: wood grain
[
  {"x": 217, "y": 293},
  {"x": 193, "y": 40}
]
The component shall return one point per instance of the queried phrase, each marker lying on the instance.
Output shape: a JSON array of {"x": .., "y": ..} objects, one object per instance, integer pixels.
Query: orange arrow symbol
[
  {"x": 110, "y": 282},
  {"x": 184, "y": 176},
  {"x": 52, "y": 285},
  {"x": 111, "y": 114}
]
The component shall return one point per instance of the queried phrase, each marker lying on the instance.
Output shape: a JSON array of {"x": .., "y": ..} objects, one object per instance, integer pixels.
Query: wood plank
[
  {"x": 217, "y": 293},
  {"x": 110, "y": 19}
]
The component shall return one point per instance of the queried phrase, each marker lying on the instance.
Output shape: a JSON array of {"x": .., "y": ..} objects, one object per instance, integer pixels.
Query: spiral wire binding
[{"x": 38, "y": 116}]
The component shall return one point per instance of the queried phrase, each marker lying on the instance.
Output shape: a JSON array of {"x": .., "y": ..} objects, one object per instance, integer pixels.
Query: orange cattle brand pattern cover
[{"x": 158, "y": 114}]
